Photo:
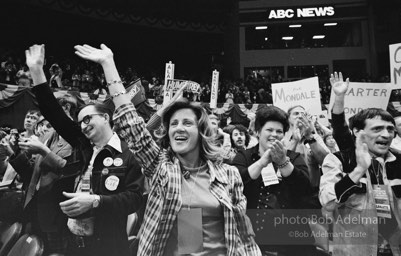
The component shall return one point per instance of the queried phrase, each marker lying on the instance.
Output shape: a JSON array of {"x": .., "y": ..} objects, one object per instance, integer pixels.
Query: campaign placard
[
  {"x": 395, "y": 65},
  {"x": 169, "y": 74},
  {"x": 364, "y": 95},
  {"x": 303, "y": 92},
  {"x": 215, "y": 89}
]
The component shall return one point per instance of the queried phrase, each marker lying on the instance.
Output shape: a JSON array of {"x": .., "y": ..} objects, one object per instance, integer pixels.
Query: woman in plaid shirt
[{"x": 195, "y": 205}]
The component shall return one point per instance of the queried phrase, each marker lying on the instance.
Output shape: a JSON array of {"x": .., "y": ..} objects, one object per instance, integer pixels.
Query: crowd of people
[
  {"x": 199, "y": 186},
  {"x": 84, "y": 76}
]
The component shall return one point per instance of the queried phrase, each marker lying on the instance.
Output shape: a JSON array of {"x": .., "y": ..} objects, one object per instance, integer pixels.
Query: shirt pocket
[{"x": 112, "y": 180}]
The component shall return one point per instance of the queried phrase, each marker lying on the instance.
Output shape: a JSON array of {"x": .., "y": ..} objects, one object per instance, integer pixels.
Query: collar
[
  {"x": 389, "y": 158},
  {"x": 114, "y": 142},
  {"x": 217, "y": 173}
]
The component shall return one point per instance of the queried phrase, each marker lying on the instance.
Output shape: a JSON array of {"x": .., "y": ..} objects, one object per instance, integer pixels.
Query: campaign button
[
  {"x": 118, "y": 162},
  {"x": 108, "y": 161},
  {"x": 111, "y": 183}
]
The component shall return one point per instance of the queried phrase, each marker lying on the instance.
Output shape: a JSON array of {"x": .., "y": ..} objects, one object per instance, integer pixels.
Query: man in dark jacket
[{"x": 109, "y": 186}]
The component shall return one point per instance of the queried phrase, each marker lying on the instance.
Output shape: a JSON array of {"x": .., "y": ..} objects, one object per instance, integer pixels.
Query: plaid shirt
[{"x": 164, "y": 200}]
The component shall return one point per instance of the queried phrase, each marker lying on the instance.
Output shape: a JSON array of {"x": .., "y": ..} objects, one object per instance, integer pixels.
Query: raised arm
[
  {"x": 48, "y": 104},
  {"x": 127, "y": 123},
  {"x": 341, "y": 132},
  {"x": 104, "y": 57}
]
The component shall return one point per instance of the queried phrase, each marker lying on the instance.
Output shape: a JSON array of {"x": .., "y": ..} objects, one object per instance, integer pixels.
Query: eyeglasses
[{"x": 87, "y": 119}]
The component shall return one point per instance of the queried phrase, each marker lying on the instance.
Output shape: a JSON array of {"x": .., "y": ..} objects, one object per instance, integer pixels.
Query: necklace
[{"x": 186, "y": 171}]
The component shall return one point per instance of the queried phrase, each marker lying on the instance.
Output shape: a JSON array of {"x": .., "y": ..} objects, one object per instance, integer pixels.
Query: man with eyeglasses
[{"x": 109, "y": 185}]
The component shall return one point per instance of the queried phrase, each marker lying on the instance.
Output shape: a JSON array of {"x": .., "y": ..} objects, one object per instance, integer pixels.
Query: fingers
[
  {"x": 83, "y": 49},
  {"x": 360, "y": 139},
  {"x": 83, "y": 56},
  {"x": 69, "y": 195},
  {"x": 68, "y": 203}
]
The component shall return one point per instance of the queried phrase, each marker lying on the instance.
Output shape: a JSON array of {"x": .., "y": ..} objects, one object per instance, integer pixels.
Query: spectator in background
[
  {"x": 56, "y": 75},
  {"x": 7, "y": 73},
  {"x": 396, "y": 143},
  {"x": 229, "y": 97},
  {"x": 330, "y": 143},
  {"x": 24, "y": 80}
]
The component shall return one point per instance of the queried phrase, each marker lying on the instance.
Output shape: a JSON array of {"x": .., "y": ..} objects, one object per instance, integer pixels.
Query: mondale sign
[
  {"x": 303, "y": 92},
  {"x": 310, "y": 12}
]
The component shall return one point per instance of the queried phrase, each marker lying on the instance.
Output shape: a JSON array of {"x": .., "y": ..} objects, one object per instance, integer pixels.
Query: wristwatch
[{"x": 96, "y": 202}]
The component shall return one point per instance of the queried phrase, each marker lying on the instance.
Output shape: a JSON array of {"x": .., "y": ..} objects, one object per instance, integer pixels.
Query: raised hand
[
  {"x": 296, "y": 135},
  {"x": 35, "y": 56},
  {"x": 363, "y": 158},
  {"x": 88, "y": 52},
  {"x": 337, "y": 83},
  {"x": 305, "y": 125}
]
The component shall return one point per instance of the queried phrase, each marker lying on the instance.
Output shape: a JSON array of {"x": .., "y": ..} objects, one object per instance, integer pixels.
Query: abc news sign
[{"x": 310, "y": 12}]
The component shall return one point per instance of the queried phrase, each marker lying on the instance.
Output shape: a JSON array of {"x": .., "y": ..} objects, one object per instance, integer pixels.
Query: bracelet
[
  {"x": 118, "y": 93},
  {"x": 286, "y": 162},
  {"x": 114, "y": 82}
]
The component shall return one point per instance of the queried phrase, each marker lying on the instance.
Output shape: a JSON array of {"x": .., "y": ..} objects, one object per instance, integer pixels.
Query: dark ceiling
[{"x": 207, "y": 11}]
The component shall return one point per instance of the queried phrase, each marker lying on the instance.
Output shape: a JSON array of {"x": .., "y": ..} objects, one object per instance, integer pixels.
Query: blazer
[{"x": 45, "y": 170}]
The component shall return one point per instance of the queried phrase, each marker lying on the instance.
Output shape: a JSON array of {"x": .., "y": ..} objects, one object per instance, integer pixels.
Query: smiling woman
[
  {"x": 275, "y": 178},
  {"x": 201, "y": 211}
]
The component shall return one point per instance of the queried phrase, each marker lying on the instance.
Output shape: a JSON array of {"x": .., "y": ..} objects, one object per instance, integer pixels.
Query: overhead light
[
  {"x": 266, "y": 38},
  {"x": 287, "y": 37},
  {"x": 330, "y": 24},
  {"x": 295, "y": 26},
  {"x": 260, "y": 27},
  {"x": 318, "y": 36}
]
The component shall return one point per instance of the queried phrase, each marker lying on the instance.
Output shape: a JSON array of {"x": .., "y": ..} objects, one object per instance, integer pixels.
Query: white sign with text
[
  {"x": 215, "y": 89},
  {"x": 395, "y": 65},
  {"x": 303, "y": 92},
  {"x": 364, "y": 95}
]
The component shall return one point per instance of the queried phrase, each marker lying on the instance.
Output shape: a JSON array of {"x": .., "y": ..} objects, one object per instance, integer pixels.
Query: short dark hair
[
  {"x": 62, "y": 101},
  {"x": 358, "y": 120},
  {"x": 102, "y": 109},
  {"x": 271, "y": 113},
  {"x": 243, "y": 129},
  {"x": 34, "y": 111}
]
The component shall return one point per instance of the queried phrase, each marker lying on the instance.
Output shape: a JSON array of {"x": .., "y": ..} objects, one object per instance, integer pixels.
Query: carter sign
[{"x": 302, "y": 12}]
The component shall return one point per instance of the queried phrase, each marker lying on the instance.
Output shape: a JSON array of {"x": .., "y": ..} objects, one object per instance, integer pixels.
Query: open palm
[
  {"x": 35, "y": 56},
  {"x": 88, "y": 52},
  {"x": 338, "y": 84}
]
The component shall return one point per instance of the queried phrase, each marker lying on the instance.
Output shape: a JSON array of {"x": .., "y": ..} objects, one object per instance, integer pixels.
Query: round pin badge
[
  {"x": 118, "y": 161},
  {"x": 105, "y": 171},
  {"x": 111, "y": 183},
  {"x": 108, "y": 161}
]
